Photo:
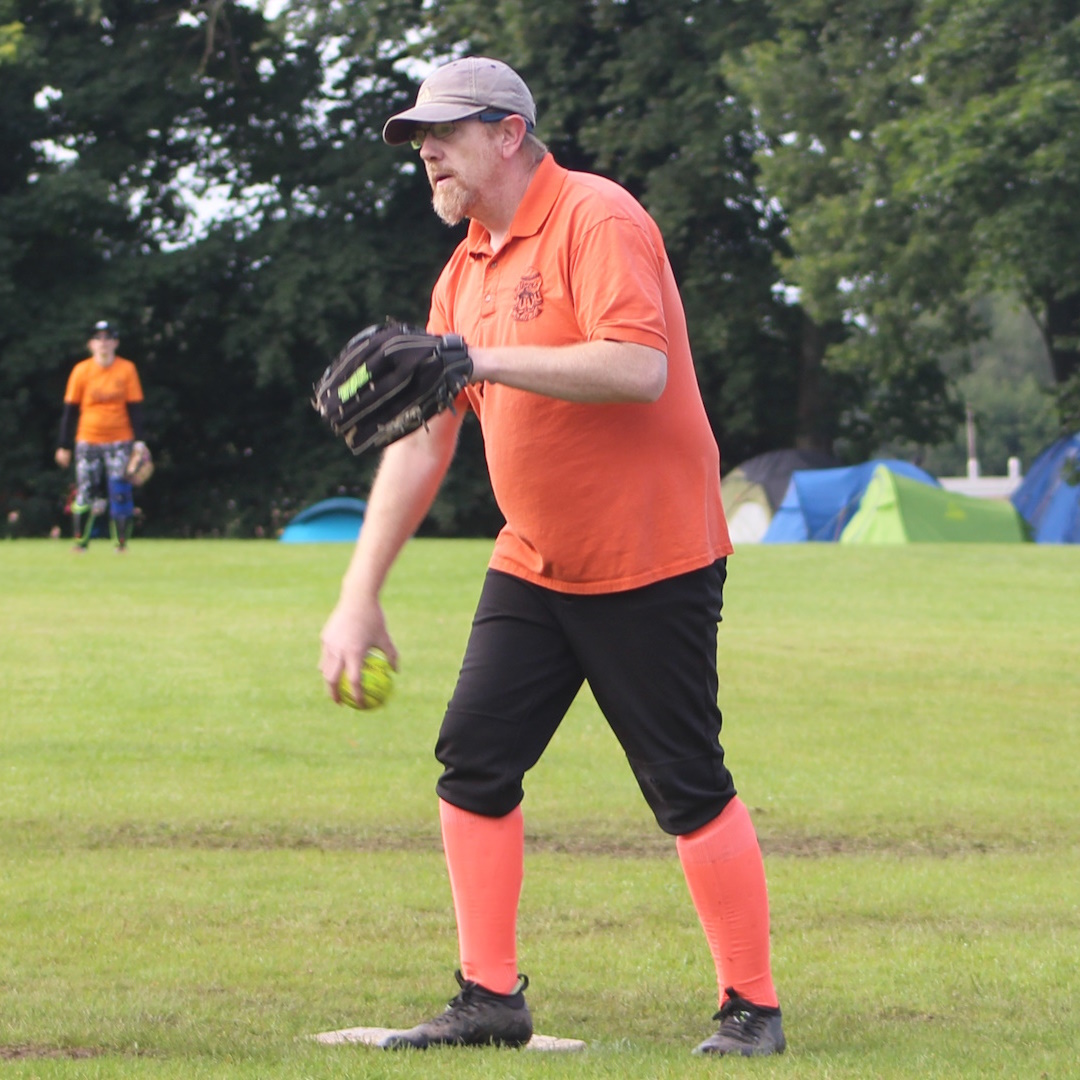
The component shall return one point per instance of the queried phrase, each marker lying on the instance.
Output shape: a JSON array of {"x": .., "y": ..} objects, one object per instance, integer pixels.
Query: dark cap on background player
[
  {"x": 104, "y": 328},
  {"x": 461, "y": 89}
]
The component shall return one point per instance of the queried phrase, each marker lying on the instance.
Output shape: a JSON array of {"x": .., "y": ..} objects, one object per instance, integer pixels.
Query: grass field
[{"x": 202, "y": 860}]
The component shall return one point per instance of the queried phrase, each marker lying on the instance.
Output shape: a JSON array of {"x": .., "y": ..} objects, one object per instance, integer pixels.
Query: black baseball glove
[{"x": 388, "y": 381}]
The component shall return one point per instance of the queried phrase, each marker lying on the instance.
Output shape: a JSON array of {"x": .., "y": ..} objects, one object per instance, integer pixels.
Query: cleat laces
[
  {"x": 745, "y": 1028},
  {"x": 740, "y": 1023}
]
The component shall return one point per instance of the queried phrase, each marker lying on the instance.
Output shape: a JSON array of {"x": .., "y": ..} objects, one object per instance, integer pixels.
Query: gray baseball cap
[{"x": 461, "y": 89}]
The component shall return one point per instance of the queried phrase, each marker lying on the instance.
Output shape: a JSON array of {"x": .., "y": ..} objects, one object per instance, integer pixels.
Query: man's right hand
[
  {"x": 63, "y": 457},
  {"x": 405, "y": 486},
  {"x": 346, "y": 638}
]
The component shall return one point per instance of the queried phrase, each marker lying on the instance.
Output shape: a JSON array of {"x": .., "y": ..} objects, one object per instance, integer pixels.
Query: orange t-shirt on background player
[
  {"x": 103, "y": 394},
  {"x": 597, "y": 269}
]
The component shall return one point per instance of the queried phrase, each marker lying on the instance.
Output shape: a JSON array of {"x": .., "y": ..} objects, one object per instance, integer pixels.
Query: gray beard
[{"x": 451, "y": 204}]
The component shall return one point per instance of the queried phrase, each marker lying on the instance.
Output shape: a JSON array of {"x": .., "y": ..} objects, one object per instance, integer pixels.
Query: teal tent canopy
[{"x": 330, "y": 521}]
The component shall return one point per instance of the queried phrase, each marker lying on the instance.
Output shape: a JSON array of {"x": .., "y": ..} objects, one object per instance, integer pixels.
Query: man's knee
[
  {"x": 684, "y": 795},
  {"x": 479, "y": 795},
  {"x": 478, "y": 774}
]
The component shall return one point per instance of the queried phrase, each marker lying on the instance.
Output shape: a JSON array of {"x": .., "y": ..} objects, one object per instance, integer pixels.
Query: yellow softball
[{"x": 376, "y": 679}]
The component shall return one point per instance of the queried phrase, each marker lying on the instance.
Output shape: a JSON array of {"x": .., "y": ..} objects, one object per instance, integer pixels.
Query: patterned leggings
[{"x": 95, "y": 464}]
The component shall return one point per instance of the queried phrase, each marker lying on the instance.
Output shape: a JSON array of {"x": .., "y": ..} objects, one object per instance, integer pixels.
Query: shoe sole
[
  {"x": 739, "y": 1052},
  {"x": 372, "y": 1036}
]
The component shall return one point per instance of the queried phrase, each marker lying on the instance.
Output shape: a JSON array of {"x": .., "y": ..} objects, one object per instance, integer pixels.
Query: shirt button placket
[{"x": 491, "y": 287}]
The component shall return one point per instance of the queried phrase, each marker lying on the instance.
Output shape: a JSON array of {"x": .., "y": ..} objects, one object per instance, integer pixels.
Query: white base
[{"x": 372, "y": 1036}]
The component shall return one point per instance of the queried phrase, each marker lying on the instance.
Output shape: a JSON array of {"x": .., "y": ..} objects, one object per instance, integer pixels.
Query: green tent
[{"x": 898, "y": 510}]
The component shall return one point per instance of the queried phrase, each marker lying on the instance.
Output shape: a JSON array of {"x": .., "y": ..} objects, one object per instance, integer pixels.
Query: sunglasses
[{"x": 445, "y": 130}]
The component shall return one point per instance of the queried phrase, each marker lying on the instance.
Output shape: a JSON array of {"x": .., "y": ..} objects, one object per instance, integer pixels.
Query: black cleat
[
  {"x": 476, "y": 1017},
  {"x": 746, "y": 1029}
]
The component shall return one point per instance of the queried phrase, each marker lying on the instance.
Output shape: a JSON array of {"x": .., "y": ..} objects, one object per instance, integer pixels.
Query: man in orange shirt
[
  {"x": 103, "y": 418},
  {"x": 611, "y": 565}
]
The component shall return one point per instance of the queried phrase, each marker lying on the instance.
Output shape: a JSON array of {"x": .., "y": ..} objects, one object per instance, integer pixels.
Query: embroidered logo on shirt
[{"x": 528, "y": 299}]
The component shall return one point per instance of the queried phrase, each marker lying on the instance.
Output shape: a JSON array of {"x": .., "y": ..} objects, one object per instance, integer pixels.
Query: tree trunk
[{"x": 1061, "y": 333}]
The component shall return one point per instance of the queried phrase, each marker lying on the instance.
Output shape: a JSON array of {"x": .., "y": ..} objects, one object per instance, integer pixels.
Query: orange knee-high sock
[
  {"x": 726, "y": 875},
  {"x": 485, "y": 857}
]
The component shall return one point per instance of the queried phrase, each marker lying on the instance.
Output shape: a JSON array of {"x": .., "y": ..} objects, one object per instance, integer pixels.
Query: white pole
[{"x": 973, "y": 458}]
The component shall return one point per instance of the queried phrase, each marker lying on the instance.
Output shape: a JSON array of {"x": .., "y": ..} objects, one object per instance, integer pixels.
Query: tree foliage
[
  {"x": 924, "y": 155},
  {"x": 995, "y": 149},
  {"x": 636, "y": 91},
  {"x": 867, "y": 279},
  {"x": 836, "y": 184},
  {"x": 115, "y": 113}
]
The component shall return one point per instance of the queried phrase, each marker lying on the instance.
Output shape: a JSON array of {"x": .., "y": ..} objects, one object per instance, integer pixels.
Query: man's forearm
[{"x": 590, "y": 372}]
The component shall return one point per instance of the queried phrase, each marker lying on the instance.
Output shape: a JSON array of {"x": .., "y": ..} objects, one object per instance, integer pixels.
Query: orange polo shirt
[
  {"x": 102, "y": 395},
  {"x": 597, "y": 498}
]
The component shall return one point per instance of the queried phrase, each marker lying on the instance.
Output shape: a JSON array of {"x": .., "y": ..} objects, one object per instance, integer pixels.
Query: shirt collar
[{"x": 532, "y": 211}]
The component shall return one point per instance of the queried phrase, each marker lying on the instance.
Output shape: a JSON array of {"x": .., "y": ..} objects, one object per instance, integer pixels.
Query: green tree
[
  {"x": 115, "y": 113},
  {"x": 867, "y": 282},
  {"x": 835, "y": 183},
  {"x": 372, "y": 248},
  {"x": 924, "y": 154},
  {"x": 1006, "y": 381},
  {"x": 994, "y": 152},
  {"x": 636, "y": 91},
  {"x": 112, "y": 110}
]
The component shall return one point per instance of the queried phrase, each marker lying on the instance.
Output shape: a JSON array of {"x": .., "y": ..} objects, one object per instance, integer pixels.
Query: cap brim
[{"x": 399, "y": 129}]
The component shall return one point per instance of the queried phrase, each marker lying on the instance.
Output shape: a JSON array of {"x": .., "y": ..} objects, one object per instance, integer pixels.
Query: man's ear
[{"x": 513, "y": 134}]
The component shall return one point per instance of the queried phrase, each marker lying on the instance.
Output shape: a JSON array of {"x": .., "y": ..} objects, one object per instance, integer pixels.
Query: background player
[{"x": 102, "y": 416}]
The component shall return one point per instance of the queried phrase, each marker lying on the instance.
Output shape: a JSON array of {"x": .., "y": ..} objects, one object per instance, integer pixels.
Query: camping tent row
[
  {"x": 789, "y": 496},
  {"x": 876, "y": 502}
]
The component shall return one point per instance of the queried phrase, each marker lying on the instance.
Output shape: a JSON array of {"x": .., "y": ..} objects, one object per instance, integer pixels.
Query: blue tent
[
  {"x": 820, "y": 502},
  {"x": 1049, "y": 497},
  {"x": 332, "y": 520}
]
